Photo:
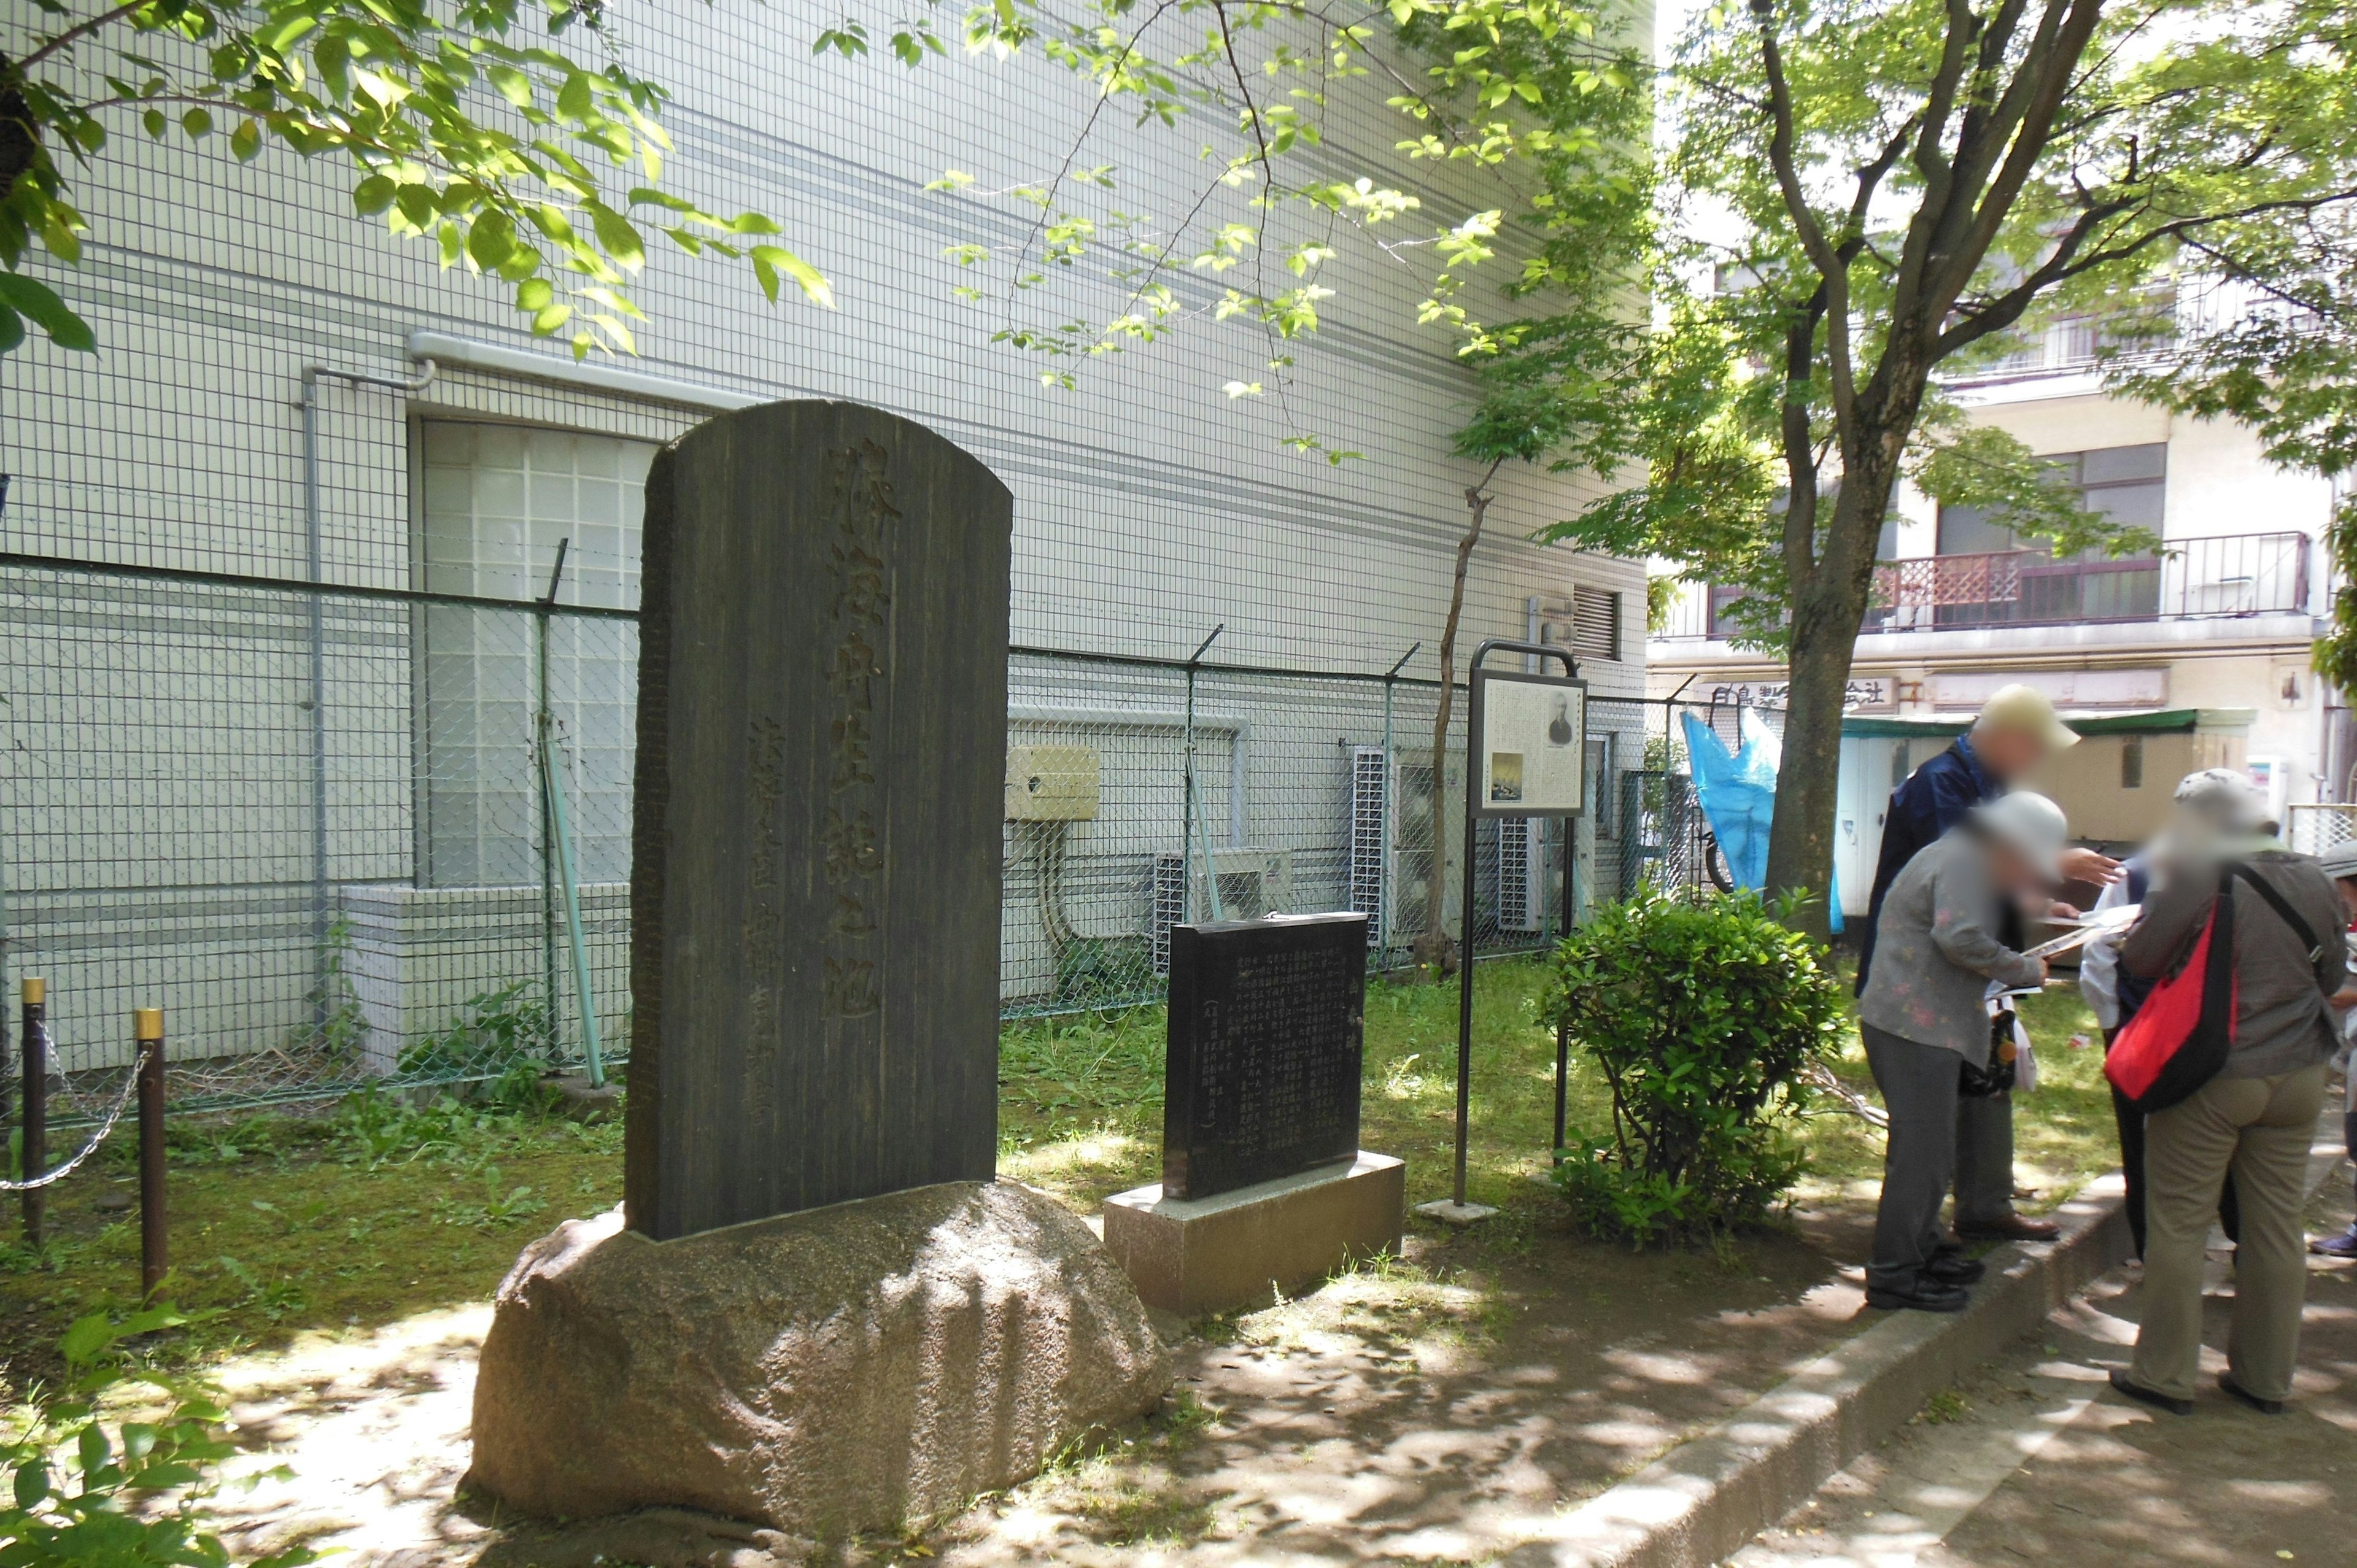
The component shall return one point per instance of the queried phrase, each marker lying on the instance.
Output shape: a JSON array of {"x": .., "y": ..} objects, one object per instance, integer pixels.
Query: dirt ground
[
  {"x": 1438, "y": 1409},
  {"x": 1419, "y": 1410}
]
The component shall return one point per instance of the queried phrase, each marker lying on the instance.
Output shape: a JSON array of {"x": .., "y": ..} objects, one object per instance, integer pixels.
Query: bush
[
  {"x": 130, "y": 1498},
  {"x": 1702, "y": 1015}
]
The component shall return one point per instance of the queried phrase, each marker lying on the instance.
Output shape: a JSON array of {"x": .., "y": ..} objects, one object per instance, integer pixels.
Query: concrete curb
[
  {"x": 1704, "y": 1499},
  {"x": 1701, "y": 1501}
]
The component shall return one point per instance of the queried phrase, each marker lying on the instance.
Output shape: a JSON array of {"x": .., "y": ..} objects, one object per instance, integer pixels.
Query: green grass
[{"x": 282, "y": 1224}]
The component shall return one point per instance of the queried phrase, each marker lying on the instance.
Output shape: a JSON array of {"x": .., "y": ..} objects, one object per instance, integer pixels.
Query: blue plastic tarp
[{"x": 1737, "y": 791}]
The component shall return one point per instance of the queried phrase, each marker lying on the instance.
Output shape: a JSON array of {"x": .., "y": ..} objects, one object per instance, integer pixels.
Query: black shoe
[
  {"x": 2153, "y": 1397},
  {"x": 1926, "y": 1294},
  {"x": 2265, "y": 1407},
  {"x": 1954, "y": 1269}
]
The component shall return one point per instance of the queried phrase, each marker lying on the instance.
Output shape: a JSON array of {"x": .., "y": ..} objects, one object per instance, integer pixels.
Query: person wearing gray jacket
[
  {"x": 2257, "y": 1118},
  {"x": 1923, "y": 1017}
]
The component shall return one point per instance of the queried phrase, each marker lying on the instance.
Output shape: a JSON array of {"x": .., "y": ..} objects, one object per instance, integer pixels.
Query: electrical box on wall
[{"x": 1052, "y": 784}]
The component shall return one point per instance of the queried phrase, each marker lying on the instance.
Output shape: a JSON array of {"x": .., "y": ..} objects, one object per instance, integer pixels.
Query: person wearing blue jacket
[{"x": 2017, "y": 730}]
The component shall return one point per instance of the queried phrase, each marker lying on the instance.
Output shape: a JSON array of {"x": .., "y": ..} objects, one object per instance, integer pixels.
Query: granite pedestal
[{"x": 1198, "y": 1255}]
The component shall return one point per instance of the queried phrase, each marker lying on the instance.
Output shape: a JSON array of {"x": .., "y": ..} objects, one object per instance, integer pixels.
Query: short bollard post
[
  {"x": 34, "y": 1150},
  {"x": 147, "y": 1026}
]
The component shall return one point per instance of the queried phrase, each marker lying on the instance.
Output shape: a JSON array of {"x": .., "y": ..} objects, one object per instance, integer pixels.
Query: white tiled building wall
[{"x": 1149, "y": 507}]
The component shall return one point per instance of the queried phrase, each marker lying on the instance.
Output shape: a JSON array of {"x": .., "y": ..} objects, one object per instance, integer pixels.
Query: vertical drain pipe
[{"x": 315, "y": 564}]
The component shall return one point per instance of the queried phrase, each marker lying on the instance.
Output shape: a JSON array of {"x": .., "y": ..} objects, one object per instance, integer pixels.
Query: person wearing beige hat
[{"x": 2017, "y": 729}]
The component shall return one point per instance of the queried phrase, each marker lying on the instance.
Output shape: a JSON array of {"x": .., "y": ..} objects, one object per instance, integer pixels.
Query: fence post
[
  {"x": 543, "y": 720},
  {"x": 154, "y": 1242},
  {"x": 35, "y": 1158}
]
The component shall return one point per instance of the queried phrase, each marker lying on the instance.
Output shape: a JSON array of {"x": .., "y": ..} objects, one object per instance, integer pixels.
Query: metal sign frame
[
  {"x": 1456, "y": 1210},
  {"x": 1477, "y": 749}
]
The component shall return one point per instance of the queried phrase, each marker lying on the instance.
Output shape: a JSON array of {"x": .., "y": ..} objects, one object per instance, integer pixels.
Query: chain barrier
[{"x": 105, "y": 1126}]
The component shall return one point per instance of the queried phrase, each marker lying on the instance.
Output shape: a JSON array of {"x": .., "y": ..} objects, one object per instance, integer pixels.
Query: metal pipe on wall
[{"x": 314, "y": 565}]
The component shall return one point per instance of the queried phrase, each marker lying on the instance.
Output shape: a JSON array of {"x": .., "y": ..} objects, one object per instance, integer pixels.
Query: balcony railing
[{"x": 2190, "y": 579}]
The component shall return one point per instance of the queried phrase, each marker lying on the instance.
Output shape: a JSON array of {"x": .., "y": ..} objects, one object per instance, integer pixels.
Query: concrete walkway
[{"x": 2035, "y": 1460}]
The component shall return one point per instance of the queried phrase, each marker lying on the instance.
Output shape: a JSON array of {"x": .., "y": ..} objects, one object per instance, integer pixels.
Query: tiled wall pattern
[{"x": 165, "y": 799}]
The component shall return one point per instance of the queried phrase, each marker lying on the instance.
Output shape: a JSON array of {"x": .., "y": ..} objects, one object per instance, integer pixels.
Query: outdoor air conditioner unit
[
  {"x": 1370, "y": 856},
  {"x": 1522, "y": 873},
  {"x": 1169, "y": 895},
  {"x": 1252, "y": 882}
]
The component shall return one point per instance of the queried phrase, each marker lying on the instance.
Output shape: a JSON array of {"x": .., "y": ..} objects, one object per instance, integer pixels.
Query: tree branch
[
  {"x": 76, "y": 33},
  {"x": 1831, "y": 268}
]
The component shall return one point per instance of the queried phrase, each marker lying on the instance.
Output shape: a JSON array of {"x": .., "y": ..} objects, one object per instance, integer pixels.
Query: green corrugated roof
[{"x": 2164, "y": 721}]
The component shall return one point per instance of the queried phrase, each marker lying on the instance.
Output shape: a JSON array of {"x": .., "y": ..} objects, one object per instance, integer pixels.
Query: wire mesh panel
[
  {"x": 334, "y": 832},
  {"x": 2312, "y": 828}
]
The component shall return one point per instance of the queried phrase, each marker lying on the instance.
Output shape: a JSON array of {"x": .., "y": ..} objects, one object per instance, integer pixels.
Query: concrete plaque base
[
  {"x": 1448, "y": 1211},
  {"x": 1193, "y": 1256}
]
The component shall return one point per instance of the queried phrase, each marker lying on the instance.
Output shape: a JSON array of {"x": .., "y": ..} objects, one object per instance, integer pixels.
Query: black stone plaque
[
  {"x": 815, "y": 839},
  {"x": 1267, "y": 1030}
]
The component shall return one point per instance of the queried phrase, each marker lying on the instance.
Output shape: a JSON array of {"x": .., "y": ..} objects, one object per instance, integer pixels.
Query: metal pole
[
  {"x": 1192, "y": 806},
  {"x": 1465, "y": 940},
  {"x": 34, "y": 1157},
  {"x": 543, "y": 752},
  {"x": 1570, "y": 914},
  {"x": 583, "y": 997},
  {"x": 315, "y": 560},
  {"x": 154, "y": 1240},
  {"x": 1391, "y": 776}
]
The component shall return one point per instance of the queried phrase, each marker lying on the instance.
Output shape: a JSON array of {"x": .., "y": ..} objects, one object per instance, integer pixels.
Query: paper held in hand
[{"x": 2102, "y": 922}]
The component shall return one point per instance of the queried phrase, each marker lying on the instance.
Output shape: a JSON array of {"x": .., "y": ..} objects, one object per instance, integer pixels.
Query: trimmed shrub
[{"x": 1702, "y": 1016}]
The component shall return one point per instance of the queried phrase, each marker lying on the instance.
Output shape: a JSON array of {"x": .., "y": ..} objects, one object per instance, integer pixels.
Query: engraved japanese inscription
[
  {"x": 815, "y": 894},
  {"x": 1267, "y": 1037}
]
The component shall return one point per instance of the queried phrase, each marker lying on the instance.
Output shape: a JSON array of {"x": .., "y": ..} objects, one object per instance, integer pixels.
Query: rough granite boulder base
[{"x": 867, "y": 1365}]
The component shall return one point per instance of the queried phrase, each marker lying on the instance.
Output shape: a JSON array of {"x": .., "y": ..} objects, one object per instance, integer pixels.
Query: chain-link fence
[{"x": 348, "y": 836}]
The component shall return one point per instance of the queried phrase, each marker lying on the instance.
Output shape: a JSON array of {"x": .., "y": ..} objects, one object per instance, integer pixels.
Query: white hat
[
  {"x": 2029, "y": 711},
  {"x": 2340, "y": 859},
  {"x": 2031, "y": 826},
  {"x": 2228, "y": 799}
]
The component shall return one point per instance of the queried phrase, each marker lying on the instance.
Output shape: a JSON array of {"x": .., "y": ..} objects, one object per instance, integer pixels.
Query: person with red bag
[
  {"x": 2227, "y": 1059},
  {"x": 2340, "y": 863}
]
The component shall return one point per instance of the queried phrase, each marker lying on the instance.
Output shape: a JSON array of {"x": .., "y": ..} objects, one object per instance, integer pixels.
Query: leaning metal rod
[
  {"x": 1384, "y": 826},
  {"x": 1191, "y": 808},
  {"x": 155, "y": 1238},
  {"x": 544, "y": 759},
  {"x": 582, "y": 995},
  {"x": 1466, "y": 878}
]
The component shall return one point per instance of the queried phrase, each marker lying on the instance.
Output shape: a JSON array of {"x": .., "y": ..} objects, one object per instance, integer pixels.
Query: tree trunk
[
  {"x": 19, "y": 144},
  {"x": 1827, "y": 607},
  {"x": 1433, "y": 949}
]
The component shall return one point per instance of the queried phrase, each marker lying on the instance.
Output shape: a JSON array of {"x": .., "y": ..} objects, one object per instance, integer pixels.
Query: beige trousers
[{"x": 2260, "y": 1128}]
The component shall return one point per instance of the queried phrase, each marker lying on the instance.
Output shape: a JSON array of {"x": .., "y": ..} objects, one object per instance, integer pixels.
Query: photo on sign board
[{"x": 1533, "y": 730}]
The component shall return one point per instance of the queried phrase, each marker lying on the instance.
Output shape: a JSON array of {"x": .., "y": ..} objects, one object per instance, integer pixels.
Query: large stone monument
[
  {"x": 823, "y": 1313},
  {"x": 1264, "y": 1184}
]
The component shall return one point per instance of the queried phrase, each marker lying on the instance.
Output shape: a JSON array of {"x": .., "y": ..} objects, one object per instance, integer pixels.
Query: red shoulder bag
[{"x": 2178, "y": 1039}]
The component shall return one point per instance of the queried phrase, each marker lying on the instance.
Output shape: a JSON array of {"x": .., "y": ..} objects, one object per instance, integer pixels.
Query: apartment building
[{"x": 2192, "y": 655}]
